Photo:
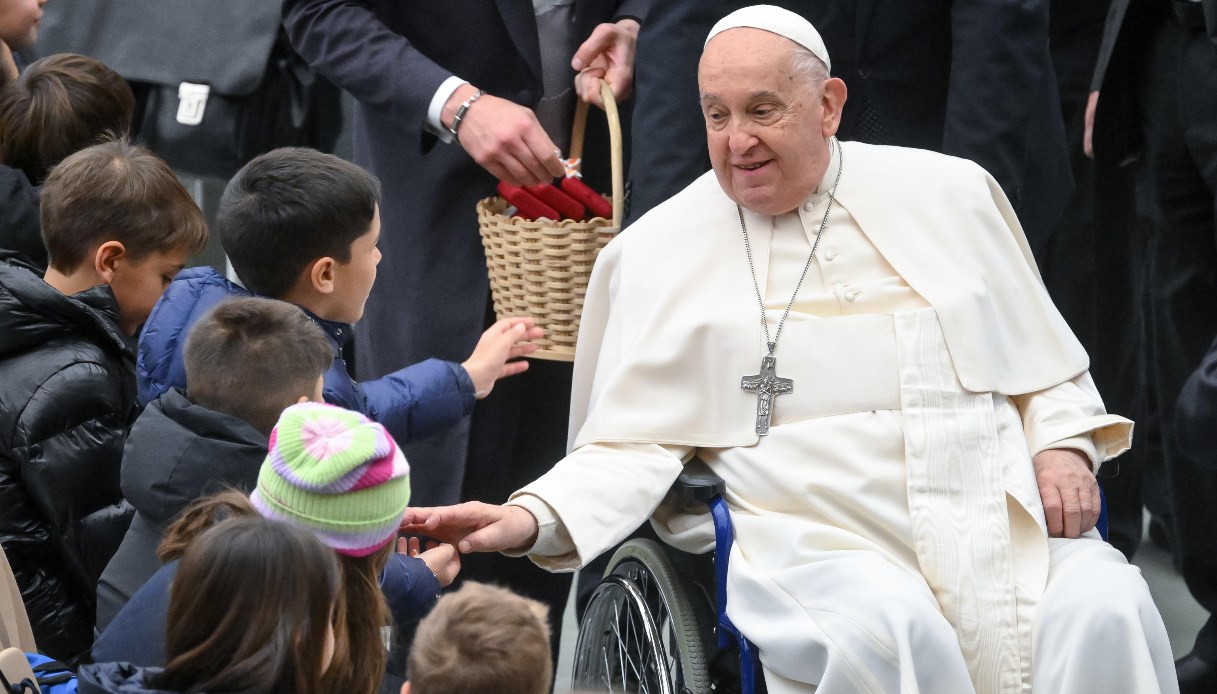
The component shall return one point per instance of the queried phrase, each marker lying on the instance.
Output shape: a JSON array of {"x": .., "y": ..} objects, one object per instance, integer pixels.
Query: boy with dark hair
[
  {"x": 118, "y": 226},
  {"x": 482, "y": 638},
  {"x": 247, "y": 360},
  {"x": 302, "y": 226}
]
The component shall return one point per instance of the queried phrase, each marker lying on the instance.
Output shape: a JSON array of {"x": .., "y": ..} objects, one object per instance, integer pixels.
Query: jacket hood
[
  {"x": 159, "y": 365},
  {"x": 118, "y": 678},
  {"x": 33, "y": 312},
  {"x": 179, "y": 451}
]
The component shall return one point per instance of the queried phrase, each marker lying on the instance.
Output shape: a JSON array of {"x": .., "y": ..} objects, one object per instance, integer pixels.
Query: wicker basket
[{"x": 540, "y": 268}]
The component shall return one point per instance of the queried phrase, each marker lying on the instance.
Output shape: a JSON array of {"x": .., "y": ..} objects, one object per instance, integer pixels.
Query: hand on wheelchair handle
[{"x": 474, "y": 526}]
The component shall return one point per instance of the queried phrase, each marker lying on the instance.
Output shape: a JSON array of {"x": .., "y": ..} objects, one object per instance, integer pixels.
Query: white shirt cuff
[
  {"x": 1083, "y": 443},
  {"x": 552, "y": 537},
  {"x": 433, "y": 124}
]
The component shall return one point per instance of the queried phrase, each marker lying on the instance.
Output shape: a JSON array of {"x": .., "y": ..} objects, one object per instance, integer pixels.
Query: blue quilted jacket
[{"x": 412, "y": 403}]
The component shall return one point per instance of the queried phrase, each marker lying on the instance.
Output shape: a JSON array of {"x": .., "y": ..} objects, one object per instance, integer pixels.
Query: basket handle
[{"x": 614, "y": 124}]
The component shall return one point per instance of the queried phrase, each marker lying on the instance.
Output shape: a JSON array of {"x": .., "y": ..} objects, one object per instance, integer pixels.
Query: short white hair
[{"x": 805, "y": 64}]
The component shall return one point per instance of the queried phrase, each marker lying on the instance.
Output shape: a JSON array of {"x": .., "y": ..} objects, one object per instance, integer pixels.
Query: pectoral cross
[{"x": 767, "y": 386}]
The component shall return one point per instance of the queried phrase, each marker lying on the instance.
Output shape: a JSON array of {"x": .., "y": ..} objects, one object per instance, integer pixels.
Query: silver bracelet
[{"x": 460, "y": 113}]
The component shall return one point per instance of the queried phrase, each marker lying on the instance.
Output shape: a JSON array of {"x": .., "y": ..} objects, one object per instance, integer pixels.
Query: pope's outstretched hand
[{"x": 474, "y": 526}]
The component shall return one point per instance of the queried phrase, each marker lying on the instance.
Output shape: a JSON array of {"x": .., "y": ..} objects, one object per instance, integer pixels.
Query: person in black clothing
[
  {"x": 18, "y": 31},
  {"x": 118, "y": 226},
  {"x": 187, "y": 445},
  {"x": 1154, "y": 95}
]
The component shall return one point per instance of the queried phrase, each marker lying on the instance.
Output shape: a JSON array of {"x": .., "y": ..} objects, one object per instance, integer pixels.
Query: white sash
[{"x": 958, "y": 507}]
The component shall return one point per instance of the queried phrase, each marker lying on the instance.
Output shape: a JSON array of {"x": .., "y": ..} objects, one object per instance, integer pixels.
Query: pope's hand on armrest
[
  {"x": 474, "y": 526},
  {"x": 1068, "y": 490}
]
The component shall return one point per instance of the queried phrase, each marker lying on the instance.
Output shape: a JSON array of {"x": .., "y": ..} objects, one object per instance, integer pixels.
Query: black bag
[{"x": 216, "y": 81}]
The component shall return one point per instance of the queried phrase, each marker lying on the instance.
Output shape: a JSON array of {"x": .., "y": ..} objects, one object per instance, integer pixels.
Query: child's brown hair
[
  {"x": 117, "y": 191},
  {"x": 482, "y": 638},
  {"x": 250, "y": 340}
]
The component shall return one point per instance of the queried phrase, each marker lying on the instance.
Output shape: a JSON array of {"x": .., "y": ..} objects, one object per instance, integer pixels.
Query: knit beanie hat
[{"x": 336, "y": 473}]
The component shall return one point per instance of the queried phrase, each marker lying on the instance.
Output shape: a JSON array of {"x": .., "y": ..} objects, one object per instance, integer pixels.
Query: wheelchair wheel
[{"x": 648, "y": 627}]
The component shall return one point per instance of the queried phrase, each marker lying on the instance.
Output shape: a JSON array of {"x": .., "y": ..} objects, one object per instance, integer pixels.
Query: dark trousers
[
  {"x": 1094, "y": 264},
  {"x": 1181, "y": 142},
  {"x": 1121, "y": 358}
]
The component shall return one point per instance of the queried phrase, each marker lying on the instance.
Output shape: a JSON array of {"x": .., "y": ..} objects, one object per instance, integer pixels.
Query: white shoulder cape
[{"x": 669, "y": 322}]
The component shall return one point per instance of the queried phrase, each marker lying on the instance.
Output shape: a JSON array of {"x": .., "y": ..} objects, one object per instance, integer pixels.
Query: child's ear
[
  {"x": 303, "y": 399},
  {"x": 321, "y": 275},
  {"x": 106, "y": 258},
  {"x": 405, "y": 688}
]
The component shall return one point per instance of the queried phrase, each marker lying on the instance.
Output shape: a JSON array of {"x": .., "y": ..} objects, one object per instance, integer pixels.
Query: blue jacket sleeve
[
  {"x": 409, "y": 587},
  {"x": 421, "y": 399},
  {"x": 137, "y": 633}
]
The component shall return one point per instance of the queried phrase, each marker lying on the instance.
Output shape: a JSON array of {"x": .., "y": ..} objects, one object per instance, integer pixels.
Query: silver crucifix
[{"x": 767, "y": 386}]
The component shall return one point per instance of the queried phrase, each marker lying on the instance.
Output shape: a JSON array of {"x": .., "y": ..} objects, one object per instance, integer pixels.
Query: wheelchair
[{"x": 657, "y": 623}]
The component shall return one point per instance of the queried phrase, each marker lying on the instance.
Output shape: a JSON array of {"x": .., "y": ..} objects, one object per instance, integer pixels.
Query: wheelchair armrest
[{"x": 697, "y": 484}]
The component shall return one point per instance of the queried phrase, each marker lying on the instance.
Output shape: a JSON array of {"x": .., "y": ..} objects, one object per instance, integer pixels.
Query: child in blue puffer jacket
[{"x": 302, "y": 227}]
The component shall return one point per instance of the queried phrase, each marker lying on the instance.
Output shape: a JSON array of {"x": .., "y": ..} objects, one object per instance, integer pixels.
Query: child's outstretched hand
[
  {"x": 506, "y": 339},
  {"x": 443, "y": 559}
]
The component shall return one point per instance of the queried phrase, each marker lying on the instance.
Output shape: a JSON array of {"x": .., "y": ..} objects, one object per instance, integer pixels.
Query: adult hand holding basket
[{"x": 540, "y": 268}]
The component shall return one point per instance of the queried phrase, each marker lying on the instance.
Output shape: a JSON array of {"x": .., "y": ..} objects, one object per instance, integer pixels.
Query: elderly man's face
[{"x": 767, "y": 129}]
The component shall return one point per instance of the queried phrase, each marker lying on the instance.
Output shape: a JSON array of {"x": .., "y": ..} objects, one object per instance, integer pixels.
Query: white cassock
[{"x": 889, "y": 530}]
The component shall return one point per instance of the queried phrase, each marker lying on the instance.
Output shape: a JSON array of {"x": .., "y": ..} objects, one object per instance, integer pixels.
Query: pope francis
[{"x": 856, "y": 339}]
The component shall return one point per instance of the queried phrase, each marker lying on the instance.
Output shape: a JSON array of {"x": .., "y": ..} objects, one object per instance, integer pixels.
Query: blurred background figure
[
  {"x": 18, "y": 198},
  {"x": 18, "y": 31},
  {"x": 1155, "y": 97},
  {"x": 59, "y": 104}
]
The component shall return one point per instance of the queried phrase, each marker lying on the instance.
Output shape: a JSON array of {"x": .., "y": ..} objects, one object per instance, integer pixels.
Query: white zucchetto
[{"x": 778, "y": 21}]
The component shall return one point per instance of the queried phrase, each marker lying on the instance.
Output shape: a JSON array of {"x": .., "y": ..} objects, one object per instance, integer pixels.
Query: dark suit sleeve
[
  {"x": 634, "y": 9},
  {"x": 347, "y": 42},
  {"x": 1197, "y": 412},
  {"x": 1111, "y": 32},
  {"x": 1117, "y": 131},
  {"x": 999, "y": 61},
  {"x": 668, "y": 150}
]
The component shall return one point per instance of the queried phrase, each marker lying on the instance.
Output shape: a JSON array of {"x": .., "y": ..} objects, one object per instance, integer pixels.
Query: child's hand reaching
[
  {"x": 506, "y": 339},
  {"x": 443, "y": 560}
]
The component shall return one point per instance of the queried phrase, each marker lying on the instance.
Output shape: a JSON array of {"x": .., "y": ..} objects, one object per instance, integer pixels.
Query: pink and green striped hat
[{"x": 336, "y": 473}]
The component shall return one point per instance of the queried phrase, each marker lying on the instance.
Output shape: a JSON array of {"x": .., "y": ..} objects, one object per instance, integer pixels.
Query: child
[
  {"x": 302, "y": 226},
  {"x": 61, "y": 104},
  {"x": 18, "y": 31},
  {"x": 252, "y": 610},
  {"x": 341, "y": 476},
  {"x": 186, "y": 445},
  {"x": 118, "y": 225},
  {"x": 482, "y": 638}
]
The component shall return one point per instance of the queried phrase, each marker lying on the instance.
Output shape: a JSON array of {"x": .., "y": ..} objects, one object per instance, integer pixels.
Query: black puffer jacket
[
  {"x": 177, "y": 452},
  {"x": 67, "y": 401}
]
